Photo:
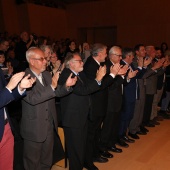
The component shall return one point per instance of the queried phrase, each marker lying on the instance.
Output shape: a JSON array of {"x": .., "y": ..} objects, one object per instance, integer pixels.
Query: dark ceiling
[
  {"x": 77, "y": 1},
  {"x": 54, "y": 3}
]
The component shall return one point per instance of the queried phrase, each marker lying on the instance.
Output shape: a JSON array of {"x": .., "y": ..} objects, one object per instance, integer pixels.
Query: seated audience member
[
  {"x": 11, "y": 57},
  {"x": 7, "y": 68},
  {"x": 85, "y": 51},
  {"x": 42, "y": 40},
  {"x": 47, "y": 53},
  {"x": 4, "y": 45},
  {"x": 164, "y": 47},
  {"x": 55, "y": 64}
]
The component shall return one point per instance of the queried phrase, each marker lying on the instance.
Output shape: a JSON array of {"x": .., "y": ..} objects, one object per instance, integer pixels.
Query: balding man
[{"x": 39, "y": 116}]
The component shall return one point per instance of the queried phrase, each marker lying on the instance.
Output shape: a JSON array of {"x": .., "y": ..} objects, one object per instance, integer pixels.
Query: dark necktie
[{"x": 79, "y": 78}]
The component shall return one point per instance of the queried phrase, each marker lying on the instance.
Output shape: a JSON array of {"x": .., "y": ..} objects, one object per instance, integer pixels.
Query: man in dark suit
[
  {"x": 99, "y": 103},
  {"x": 110, "y": 128},
  {"x": 75, "y": 108},
  {"x": 39, "y": 116},
  {"x": 8, "y": 93},
  {"x": 130, "y": 94}
]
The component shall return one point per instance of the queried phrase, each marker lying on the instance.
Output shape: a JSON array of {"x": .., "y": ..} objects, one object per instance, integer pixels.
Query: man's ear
[{"x": 31, "y": 62}]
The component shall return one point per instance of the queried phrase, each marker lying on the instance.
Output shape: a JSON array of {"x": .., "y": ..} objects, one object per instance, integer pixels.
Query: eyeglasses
[
  {"x": 117, "y": 55},
  {"x": 40, "y": 59},
  {"x": 77, "y": 61},
  {"x": 53, "y": 57}
]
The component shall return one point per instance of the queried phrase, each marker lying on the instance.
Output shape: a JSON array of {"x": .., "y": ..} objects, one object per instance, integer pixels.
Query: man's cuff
[
  {"x": 52, "y": 88},
  {"x": 123, "y": 77},
  {"x": 9, "y": 90},
  {"x": 21, "y": 92},
  {"x": 98, "y": 82},
  {"x": 140, "y": 68},
  {"x": 128, "y": 80},
  {"x": 111, "y": 74}
]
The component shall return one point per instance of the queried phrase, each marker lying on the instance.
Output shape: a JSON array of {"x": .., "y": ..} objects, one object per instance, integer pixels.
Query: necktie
[
  {"x": 79, "y": 78},
  {"x": 40, "y": 79}
]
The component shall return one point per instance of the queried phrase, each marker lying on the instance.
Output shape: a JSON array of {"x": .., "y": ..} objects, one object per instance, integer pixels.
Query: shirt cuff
[
  {"x": 52, "y": 88},
  {"x": 123, "y": 77},
  {"x": 9, "y": 90},
  {"x": 111, "y": 74},
  {"x": 140, "y": 68},
  {"x": 128, "y": 80},
  {"x": 98, "y": 82},
  {"x": 21, "y": 92}
]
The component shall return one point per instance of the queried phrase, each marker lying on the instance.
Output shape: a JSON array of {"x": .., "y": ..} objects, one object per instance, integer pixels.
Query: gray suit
[
  {"x": 39, "y": 118},
  {"x": 135, "y": 123},
  {"x": 151, "y": 89}
]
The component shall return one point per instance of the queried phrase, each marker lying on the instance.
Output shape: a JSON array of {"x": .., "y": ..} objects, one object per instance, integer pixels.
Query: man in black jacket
[{"x": 75, "y": 108}]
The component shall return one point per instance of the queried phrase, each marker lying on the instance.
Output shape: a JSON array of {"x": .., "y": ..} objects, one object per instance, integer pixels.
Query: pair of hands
[
  {"x": 25, "y": 82},
  {"x": 144, "y": 62},
  {"x": 159, "y": 64},
  {"x": 69, "y": 82},
  {"x": 118, "y": 69}
]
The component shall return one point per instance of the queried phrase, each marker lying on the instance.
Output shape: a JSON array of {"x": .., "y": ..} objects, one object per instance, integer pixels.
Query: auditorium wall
[
  {"x": 137, "y": 21},
  {"x": 143, "y": 21},
  {"x": 34, "y": 19}
]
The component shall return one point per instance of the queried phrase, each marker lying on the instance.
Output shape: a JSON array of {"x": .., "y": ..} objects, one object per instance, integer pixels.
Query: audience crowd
[{"x": 103, "y": 97}]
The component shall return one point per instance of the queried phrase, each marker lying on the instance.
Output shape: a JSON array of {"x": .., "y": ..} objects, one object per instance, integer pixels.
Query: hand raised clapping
[{"x": 100, "y": 73}]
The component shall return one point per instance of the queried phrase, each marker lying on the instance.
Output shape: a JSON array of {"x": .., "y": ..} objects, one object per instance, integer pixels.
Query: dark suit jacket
[
  {"x": 75, "y": 106},
  {"x": 5, "y": 97},
  {"x": 99, "y": 98},
  {"x": 38, "y": 107},
  {"x": 130, "y": 88},
  {"x": 114, "y": 92}
]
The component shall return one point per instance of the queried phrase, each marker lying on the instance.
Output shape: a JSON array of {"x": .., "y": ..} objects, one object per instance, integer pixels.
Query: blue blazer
[{"x": 5, "y": 98}]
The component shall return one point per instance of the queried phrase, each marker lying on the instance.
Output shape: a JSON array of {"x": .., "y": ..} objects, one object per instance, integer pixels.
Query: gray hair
[
  {"x": 44, "y": 47},
  {"x": 98, "y": 47},
  {"x": 68, "y": 58},
  {"x": 113, "y": 49},
  {"x": 31, "y": 52}
]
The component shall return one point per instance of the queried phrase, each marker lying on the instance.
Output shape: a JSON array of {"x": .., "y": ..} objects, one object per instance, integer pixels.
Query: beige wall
[
  {"x": 47, "y": 21},
  {"x": 33, "y": 18},
  {"x": 137, "y": 21}
]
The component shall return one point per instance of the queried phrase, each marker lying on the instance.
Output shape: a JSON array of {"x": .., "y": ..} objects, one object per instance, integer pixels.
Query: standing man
[
  {"x": 99, "y": 105},
  {"x": 134, "y": 126},
  {"x": 21, "y": 47},
  {"x": 130, "y": 94},
  {"x": 9, "y": 93},
  {"x": 110, "y": 128},
  {"x": 151, "y": 85},
  {"x": 39, "y": 116},
  {"x": 75, "y": 108}
]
